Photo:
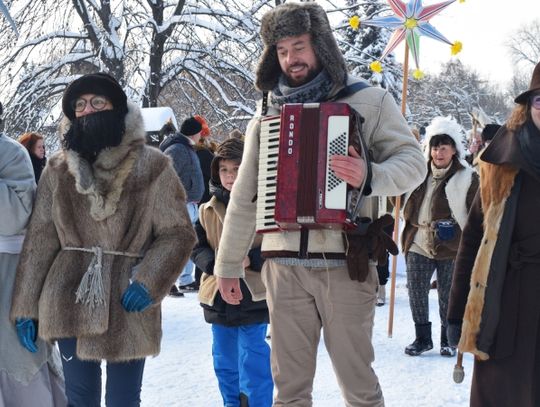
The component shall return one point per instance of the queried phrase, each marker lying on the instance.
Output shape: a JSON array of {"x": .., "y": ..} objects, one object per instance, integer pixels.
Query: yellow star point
[
  {"x": 354, "y": 22},
  {"x": 376, "y": 66},
  {"x": 418, "y": 74},
  {"x": 456, "y": 48}
]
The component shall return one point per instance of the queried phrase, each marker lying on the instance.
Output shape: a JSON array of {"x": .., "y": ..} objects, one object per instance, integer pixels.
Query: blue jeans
[
  {"x": 83, "y": 380},
  {"x": 242, "y": 364},
  {"x": 187, "y": 275}
]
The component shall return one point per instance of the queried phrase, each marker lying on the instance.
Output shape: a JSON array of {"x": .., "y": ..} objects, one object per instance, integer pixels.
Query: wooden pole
[
  {"x": 459, "y": 373},
  {"x": 397, "y": 206}
]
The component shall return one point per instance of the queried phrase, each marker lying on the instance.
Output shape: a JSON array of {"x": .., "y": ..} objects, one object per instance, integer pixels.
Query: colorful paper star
[{"x": 410, "y": 21}]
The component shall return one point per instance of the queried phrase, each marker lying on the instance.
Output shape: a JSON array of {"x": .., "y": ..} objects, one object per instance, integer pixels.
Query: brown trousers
[{"x": 302, "y": 301}]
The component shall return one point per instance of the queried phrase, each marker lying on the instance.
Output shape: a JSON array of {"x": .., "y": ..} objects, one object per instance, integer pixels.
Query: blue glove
[
  {"x": 26, "y": 331},
  {"x": 136, "y": 298}
]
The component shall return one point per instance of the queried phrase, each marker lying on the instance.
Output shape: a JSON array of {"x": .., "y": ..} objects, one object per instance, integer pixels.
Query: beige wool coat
[
  {"x": 130, "y": 200},
  {"x": 211, "y": 217},
  {"x": 398, "y": 166}
]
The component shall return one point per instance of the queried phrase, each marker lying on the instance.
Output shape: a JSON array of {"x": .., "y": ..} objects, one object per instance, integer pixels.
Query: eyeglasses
[
  {"x": 535, "y": 101},
  {"x": 97, "y": 102}
]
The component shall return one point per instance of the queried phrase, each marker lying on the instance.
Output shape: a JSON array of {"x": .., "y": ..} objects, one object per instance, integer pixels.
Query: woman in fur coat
[
  {"x": 108, "y": 235},
  {"x": 435, "y": 214},
  {"x": 241, "y": 354},
  {"x": 494, "y": 309},
  {"x": 26, "y": 379}
]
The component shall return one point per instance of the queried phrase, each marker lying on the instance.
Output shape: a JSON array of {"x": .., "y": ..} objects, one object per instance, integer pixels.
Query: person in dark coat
[
  {"x": 180, "y": 147},
  {"x": 494, "y": 309},
  {"x": 33, "y": 142},
  {"x": 241, "y": 354}
]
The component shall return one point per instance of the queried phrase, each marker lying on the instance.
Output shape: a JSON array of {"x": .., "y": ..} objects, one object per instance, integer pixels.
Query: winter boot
[
  {"x": 446, "y": 349},
  {"x": 423, "y": 341},
  {"x": 381, "y": 296}
]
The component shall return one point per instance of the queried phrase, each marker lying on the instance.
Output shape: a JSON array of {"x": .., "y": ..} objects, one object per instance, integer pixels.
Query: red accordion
[{"x": 296, "y": 187}]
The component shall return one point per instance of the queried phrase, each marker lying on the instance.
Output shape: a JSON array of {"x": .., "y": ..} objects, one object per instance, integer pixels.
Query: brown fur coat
[
  {"x": 496, "y": 182},
  {"x": 129, "y": 200}
]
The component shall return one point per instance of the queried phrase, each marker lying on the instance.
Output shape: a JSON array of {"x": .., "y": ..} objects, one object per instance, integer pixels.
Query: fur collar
[
  {"x": 496, "y": 182},
  {"x": 103, "y": 181},
  {"x": 456, "y": 191}
]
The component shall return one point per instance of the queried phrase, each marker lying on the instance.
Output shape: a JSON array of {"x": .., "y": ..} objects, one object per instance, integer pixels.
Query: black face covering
[{"x": 90, "y": 134}]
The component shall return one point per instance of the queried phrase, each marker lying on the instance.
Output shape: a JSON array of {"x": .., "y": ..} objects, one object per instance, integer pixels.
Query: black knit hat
[
  {"x": 190, "y": 127},
  {"x": 98, "y": 83},
  {"x": 230, "y": 149},
  {"x": 489, "y": 131}
]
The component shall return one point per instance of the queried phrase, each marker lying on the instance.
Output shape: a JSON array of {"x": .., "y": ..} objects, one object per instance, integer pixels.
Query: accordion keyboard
[{"x": 267, "y": 179}]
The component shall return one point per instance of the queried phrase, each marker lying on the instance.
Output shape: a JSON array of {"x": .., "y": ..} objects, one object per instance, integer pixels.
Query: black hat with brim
[{"x": 98, "y": 83}]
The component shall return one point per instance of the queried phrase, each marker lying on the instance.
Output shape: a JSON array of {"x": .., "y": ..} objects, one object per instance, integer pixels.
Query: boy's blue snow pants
[{"x": 242, "y": 364}]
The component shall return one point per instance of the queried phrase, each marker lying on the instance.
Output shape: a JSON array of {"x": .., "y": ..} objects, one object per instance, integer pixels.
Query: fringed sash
[{"x": 91, "y": 292}]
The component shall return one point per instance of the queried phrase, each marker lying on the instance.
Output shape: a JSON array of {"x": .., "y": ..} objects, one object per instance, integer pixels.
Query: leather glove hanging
[{"x": 371, "y": 243}]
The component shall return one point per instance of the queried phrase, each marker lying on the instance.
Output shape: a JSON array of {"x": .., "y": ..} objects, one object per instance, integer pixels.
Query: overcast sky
[{"x": 483, "y": 26}]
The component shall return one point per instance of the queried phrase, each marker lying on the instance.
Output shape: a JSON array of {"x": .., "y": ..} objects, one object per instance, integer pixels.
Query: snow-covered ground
[{"x": 182, "y": 375}]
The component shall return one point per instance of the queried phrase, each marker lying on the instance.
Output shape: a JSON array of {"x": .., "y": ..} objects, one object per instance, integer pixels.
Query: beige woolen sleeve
[{"x": 398, "y": 165}]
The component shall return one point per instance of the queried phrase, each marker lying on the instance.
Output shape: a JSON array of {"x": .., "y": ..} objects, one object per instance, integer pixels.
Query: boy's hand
[{"x": 230, "y": 290}]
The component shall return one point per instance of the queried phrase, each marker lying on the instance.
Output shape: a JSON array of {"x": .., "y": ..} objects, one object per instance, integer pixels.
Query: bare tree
[
  {"x": 524, "y": 45},
  {"x": 455, "y": 91},
  {"x": 148, "y": 45}
]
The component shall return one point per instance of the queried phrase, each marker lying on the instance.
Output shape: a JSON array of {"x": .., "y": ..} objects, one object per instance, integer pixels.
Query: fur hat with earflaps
[
  {"x": 98, "y": 83},
  {"x": 523, "y": 98},
  {"x": 230, "y": 149},
  {"x": 290, "y": 20}
]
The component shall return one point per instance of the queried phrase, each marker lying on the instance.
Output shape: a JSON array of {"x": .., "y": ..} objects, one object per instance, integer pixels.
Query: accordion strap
[
  {"x": 264, "y": 108},
  {"x": 351, "y": 90}
]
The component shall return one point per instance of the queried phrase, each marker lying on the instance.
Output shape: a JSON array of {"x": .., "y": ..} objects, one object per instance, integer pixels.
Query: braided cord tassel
[{"x": 91, "y": 291}]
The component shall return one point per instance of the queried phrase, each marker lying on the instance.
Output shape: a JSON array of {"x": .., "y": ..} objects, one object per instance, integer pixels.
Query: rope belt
[{"x": 91, "y": 291}]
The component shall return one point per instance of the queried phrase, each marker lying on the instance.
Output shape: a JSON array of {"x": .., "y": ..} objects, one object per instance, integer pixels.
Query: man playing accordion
[{"x": 308, "y": 281}]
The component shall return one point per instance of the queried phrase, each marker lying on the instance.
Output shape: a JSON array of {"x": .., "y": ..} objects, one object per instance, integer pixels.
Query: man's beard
[
  {"x": 90, "y": 134},
  {"x": 311, "y": 74}
]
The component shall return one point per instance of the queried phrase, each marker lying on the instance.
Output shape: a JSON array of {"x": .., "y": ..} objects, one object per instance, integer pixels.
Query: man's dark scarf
[{"x": 315, "y": 90}]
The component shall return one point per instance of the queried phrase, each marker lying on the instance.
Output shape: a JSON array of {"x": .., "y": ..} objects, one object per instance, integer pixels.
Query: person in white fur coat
[{"x": 435, "y": 214}]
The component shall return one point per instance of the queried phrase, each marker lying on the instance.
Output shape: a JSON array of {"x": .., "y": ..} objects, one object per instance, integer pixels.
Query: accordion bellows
[{"x": 296, "y": 187}]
